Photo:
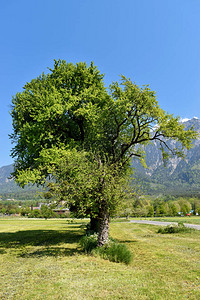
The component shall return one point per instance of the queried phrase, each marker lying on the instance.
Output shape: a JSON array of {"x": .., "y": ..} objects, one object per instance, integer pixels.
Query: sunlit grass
[{"x": 41, "y": 259}]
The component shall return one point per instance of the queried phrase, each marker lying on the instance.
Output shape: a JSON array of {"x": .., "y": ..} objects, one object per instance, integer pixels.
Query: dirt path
[{"x": 164, "y": 223}]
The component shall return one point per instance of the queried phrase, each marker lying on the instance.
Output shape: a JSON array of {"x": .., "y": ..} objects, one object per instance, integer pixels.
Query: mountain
[
  {"x": 9, "y": 189},
  {"x": 179, "y": 176},
  {"x": 5, "y": 173}
]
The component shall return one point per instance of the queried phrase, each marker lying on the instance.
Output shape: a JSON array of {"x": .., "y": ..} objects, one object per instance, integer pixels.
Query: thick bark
[{"x": 103, "y": 227}]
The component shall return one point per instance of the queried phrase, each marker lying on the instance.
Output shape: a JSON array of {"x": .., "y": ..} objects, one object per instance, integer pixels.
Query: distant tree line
[
  {"x": 28, "y": 209},
  {"x": 141, "y": 206},
  {"x": 161, "y": 206}
]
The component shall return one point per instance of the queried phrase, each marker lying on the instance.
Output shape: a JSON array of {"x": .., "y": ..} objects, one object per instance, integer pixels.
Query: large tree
[{"x": 68, "y": 127}]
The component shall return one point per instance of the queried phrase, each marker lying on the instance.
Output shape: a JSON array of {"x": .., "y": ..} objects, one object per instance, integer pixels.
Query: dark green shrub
[
  {"x": 88, "y": 242},
  {"x": 112, "y": 250},
  {"x": 175, "y": 229},
  {"x": 115, "y": 252},
  {"x": 168, "y": 229}
]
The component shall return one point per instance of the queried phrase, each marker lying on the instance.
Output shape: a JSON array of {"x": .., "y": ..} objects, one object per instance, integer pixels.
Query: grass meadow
[{"x": 41, "y": 259}]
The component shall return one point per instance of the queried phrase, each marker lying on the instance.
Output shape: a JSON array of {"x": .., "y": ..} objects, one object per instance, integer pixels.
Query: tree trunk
[{"x": 103, "y": 231}]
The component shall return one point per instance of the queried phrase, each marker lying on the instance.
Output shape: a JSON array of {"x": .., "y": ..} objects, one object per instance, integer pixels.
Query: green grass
[{"x": 41, "y": 259}]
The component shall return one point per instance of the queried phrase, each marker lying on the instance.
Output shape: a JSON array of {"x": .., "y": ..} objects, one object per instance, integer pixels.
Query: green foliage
[
  {"x": 25, "y": 211},
  {"x": 150, "y": 211},
  {"x": 36, "y": 213},
  {"x": 146, "y": 206},
  {"x": 47, "y": 212},
  {"x": 89, "y": 242},
  {"x": 175, "y": 229},
  {"x": 112, "y": 250},
  {"x": 78, "y": 179},
  {"x": 57, "y": 108}
]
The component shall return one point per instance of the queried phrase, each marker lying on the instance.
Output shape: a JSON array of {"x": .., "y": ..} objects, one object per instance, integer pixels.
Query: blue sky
[{"x": 151, "y": 41}]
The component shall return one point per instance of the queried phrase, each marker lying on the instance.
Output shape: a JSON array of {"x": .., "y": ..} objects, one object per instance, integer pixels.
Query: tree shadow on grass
[
  {"x": 49, "y": 251},
  {"x": 41, "y": 242}
]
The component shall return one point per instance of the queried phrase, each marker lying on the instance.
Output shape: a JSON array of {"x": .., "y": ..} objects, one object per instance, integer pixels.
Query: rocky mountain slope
[{"x": 179, "y": 175}]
